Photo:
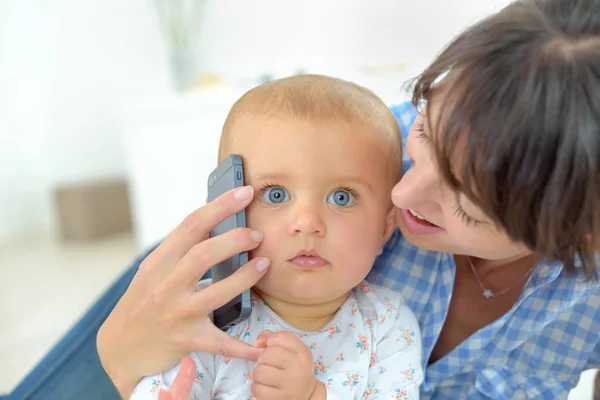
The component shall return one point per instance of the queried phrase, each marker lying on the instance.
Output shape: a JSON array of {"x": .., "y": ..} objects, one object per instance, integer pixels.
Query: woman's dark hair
[{"x": 520, "y": 123}]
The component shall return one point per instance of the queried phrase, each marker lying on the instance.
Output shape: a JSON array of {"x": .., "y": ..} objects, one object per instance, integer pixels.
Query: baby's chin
[{"x": 300, "y": 293}]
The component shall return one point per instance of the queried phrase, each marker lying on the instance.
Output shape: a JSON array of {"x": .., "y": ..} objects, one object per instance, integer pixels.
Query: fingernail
[
  {"x": 256, "y": 236},
  {"x": 262, "y": 264},
  {"x": 243, "y": 193}
]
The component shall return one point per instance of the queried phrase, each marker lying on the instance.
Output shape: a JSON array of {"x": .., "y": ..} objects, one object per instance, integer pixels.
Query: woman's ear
[{"x": 389, "y": 227}]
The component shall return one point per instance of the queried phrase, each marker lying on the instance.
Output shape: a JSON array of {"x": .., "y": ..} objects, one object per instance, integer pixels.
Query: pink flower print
[
  {"x": 368, "y": 322},
  {"x": 409, "y": 335},
  {"x": 247, "y": 377},
  {"x": 353, "y": 309},
  {"x": 382, "y": 319},
  {"x": 390, "y": 307},
  {"x": 271, "y": 321},
  {"x": 328, "y": 383},
  {"x": 401, "y": 394},
  {"x": 409, "y": 375},
  {"x": 362, "y": 344},
  {"x": 199, "y": 375},
  {"x": 318, "y": 366},
  {"x": 352, "y": 326},
  {"x": 363, "y": 287},
  {"x": 226, "y": 360},
  {"x": 157, "y": 385},
  {"x": 340, "y": 357},
  {"x": 313, "y": 346},
  {"x": 373, "y": 356},
  {"x": 382, "y": 370},
  {"x": 258, "y": 318},
  {"x": 334, "y": 329},
  {"x": 352, "y": 379},
  {"x": 371, "y": 390}
]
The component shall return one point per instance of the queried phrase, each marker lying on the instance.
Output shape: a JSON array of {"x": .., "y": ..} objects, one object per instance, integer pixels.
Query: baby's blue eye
[
  {"x": 340, "y": 198},
  {"x": 275, "y": 195}
]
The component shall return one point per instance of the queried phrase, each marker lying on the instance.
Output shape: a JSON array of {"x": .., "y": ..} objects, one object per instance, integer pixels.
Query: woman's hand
[{"x": 161, "y": 318}]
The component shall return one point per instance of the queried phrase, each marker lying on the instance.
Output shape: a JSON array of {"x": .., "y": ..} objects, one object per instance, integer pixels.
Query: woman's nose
[{"x": 307, "y": 220}]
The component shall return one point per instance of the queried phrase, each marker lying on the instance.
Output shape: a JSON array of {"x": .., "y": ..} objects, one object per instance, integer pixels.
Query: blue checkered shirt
[{"x": 537, "y": 350}]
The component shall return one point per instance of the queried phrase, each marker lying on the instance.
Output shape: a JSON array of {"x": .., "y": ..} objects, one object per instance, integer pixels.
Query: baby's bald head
[{"x": 317, "y": 98}]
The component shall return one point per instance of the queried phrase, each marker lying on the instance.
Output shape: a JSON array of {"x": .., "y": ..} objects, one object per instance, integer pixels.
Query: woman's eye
[
  {"x": 275, "y": 195},
  {"x": 340, "y": 198}
]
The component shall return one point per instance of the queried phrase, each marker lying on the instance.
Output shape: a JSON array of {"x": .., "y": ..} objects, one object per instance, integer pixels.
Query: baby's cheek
[
  {"x": 270, "y": 246},
  {"x": 361, "y": 252},
  {"x": 252, "y": 216}
]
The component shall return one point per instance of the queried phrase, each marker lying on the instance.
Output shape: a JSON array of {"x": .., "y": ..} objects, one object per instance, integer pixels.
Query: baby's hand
[{"x": 285, "y": 369}]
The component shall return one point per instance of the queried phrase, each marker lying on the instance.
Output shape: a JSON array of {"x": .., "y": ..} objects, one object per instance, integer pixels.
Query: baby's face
[{"x": 322, "y": 201}]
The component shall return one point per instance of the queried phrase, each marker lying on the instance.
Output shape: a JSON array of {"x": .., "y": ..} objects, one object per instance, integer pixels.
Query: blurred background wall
[{"x": 69, "y": 69}]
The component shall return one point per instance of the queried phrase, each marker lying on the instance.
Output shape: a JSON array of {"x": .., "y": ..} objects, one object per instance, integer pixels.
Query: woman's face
[{"x": 446, "y": 221}]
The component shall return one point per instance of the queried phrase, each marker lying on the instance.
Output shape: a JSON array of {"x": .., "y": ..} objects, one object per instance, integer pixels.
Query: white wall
[
  {"x": 65, "y": 66},
  {"x": 68, "y": 66},
  {"x": 23, "y": 118},
  {"x": 253, "y": 36}
]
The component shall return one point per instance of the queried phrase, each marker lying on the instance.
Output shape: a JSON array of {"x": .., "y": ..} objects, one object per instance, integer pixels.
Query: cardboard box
[{"x": 93, "y": 210}]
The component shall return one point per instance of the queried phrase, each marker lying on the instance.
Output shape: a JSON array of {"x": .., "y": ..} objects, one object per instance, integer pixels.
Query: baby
[{"x": 322, "y": 155}]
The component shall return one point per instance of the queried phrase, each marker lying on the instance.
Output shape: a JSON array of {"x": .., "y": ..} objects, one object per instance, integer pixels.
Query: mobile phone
[{"x": 229, "y": 175}]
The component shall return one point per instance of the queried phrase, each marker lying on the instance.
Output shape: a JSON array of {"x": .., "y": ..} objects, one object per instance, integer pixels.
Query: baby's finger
[
  {"x": 277, "y": 357},
  {"x": 287, "y": 341},
  {"x": 264, "y": 392},
  {"x": 269, "y": 376}
]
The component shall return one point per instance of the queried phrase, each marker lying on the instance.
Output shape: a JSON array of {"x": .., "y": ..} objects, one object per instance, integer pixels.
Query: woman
[{"x": 498, "y": 216}]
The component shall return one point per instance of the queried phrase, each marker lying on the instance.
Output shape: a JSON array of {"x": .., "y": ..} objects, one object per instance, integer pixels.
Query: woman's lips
[{"x": 418, "y": 225}]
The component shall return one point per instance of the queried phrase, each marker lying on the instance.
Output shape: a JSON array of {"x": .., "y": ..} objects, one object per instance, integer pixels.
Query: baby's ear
[{"x": 389, "y": 227}]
